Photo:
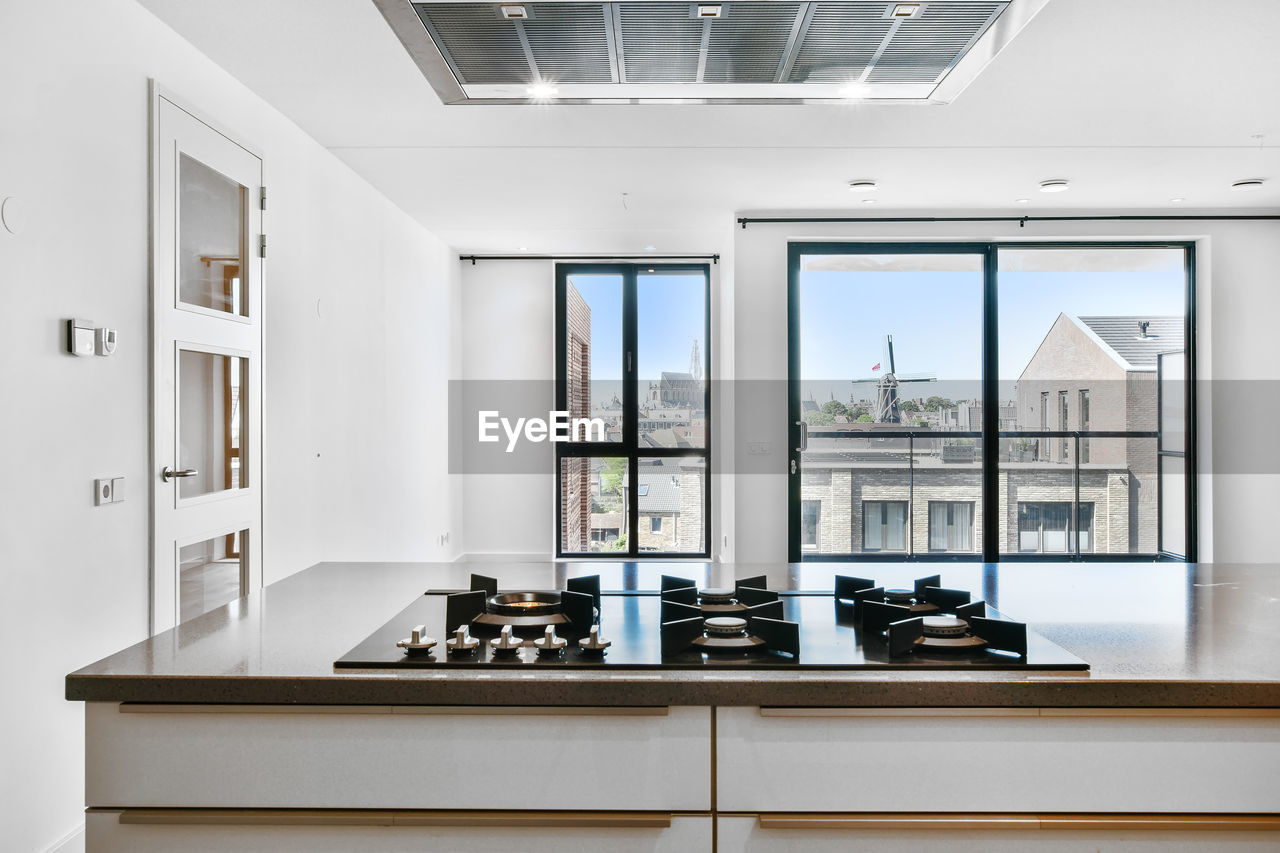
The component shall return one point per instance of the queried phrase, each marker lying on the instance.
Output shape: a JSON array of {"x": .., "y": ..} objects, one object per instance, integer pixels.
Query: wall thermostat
[{"x": 105, "y": 341}]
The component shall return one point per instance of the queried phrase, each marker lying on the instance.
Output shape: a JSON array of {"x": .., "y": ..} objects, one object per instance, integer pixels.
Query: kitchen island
[{"x": 234, "y": 731}]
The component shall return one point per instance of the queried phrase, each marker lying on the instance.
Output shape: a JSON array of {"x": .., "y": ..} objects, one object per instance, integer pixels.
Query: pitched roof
[
  {"x": 660, "y": 489},
  {"x": 1123, "y": 336}
]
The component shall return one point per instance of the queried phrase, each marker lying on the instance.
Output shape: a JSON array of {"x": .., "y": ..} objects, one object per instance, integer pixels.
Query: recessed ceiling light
[
  {"x": 710, "y": 10},
  {"x": 906, "y": 10},
  {"x": 1054, "y": 185},
  {"x": 854, "y": 90},
  {"x": 1177, "y": 200},
  {"x": 543, "y": 90},
  {"x": 651, "y": 248},
  {"x": 524, "y": 248},
  {"x": 862, "y": 186},
  {"x": 1248, "y": 184},
  {"x": 868, "y": 201},
  {"x": 514, "y": 12},
  {"x": 1022, "y": 201}
]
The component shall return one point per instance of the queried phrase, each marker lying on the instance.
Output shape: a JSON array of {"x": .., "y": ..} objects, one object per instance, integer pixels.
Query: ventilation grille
[{"x": 755, "y": 42}]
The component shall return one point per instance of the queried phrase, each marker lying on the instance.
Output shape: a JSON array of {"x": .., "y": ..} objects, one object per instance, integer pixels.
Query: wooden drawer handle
[
  {"x": 441, "y": 710},
  {"x": 983, "y": 821},
  {"x": 383, "y": 817}
]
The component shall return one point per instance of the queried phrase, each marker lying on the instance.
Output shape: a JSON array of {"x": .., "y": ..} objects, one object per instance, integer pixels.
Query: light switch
[
  {"x": 101, "y": 492},
  {"x": 117, "y": 489},
  {"x": 80, "y": 337}
]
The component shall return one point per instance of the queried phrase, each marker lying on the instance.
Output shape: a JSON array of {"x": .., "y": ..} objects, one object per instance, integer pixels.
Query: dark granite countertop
[{"x": 1155, "y": 634}]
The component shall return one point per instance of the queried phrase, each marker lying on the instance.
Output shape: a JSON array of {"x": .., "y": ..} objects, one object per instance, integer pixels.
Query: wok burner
[{"x": 527, "y": 612}]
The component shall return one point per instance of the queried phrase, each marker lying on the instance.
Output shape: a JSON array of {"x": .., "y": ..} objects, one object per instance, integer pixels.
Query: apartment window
[
  {"x": 884, "y": 526},
  {"x": 1045, "y": 527},
  {"x": 633, "y": 344},
  {"x": 810, "y": 518},
  {"x": 1084, "y": 424},
  {"x": 951, "y": 526},
  {"x": 886, "y": 339}
]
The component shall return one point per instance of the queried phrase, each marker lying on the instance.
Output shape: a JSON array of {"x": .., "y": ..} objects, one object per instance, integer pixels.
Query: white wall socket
[{"x": 108, "y": 490}]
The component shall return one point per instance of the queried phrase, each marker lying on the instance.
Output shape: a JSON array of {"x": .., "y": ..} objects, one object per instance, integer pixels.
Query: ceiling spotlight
[
  {"x": 1022, "y": 201},
  {"x": 651, "y": 248},
  {"x": 1177, "y": 200},
  {"x": 1054, "y": 185},
  {"x": 524, "y": 248},
  {"x": 514, "y": 12},
  {"x": 1248, "y": 184},
  {"x": 710, "y": 10},
  {"x": 862, "y": 186},
  {"x": 542, "y": 90},
  {"x": 854, "y": 90},
  {"x": 906, "y": 10}
]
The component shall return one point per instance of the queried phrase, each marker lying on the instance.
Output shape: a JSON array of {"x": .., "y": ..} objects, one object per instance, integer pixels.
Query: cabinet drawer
[
  {"x": 115, "y": 832},
  {"x": 971, "y": 760},
  {"x": 385, "y": 757},
  {"x": 748, "y": 834}
]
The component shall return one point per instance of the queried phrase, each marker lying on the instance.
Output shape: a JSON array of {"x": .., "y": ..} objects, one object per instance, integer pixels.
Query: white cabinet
[
  {"x": 111, "y": 832},
  {"x": 392, "y": 757},
  {"x": 746, "y": 834},
  {"x": 975, "y": 760}
]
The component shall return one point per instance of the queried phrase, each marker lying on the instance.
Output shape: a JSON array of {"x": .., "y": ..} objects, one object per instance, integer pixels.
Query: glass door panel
[
  {"x": 593, "y": 354},
  {"x": 211, "y": 573},
  {"x": 211, "y": 415},
  {"x": 211, "y": 239},
  {"x": 889, "y": 387}
]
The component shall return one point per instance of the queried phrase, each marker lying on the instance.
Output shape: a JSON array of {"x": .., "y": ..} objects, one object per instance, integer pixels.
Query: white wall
[
  {"x": 1237, "y": 303},
  {"x": 353, "y": 392}
]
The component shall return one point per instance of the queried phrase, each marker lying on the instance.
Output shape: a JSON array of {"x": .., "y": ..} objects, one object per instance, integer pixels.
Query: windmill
[{"x": 887, "y": 386}]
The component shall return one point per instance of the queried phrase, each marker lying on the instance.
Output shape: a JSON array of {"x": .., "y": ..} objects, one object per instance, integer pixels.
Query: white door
[{"x": 206, "y": 367}]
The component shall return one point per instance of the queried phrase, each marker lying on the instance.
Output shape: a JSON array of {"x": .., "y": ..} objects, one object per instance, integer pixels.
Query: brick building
[{"x": 575, "y": 473}]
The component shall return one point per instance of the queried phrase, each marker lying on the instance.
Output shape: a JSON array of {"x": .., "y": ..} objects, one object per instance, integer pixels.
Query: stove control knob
[
  {"x": 592, "y": 642},
  {"x": 462, "y": 642},
  {"x": 550, "y": 644},
  {"x": 506, "y": 642},
  {"x": 418, "y": 642}
]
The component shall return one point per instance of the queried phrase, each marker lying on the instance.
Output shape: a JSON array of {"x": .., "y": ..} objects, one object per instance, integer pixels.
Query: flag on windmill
[{"x": 877, "y": 367}]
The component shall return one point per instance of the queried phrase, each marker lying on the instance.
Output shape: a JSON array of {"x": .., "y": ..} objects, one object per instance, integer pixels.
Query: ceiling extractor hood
[{"x": 755, "y": 51}]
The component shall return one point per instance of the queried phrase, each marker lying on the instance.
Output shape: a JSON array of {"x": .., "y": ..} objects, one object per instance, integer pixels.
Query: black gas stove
[{"x": 861, "y": 626}]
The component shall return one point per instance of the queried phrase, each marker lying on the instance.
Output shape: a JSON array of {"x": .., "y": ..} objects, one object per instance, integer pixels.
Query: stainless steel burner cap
[
  {"x": 900, "y": 596},
  {"x": 716, "y": 596},
  {"x": 725, "y": 626},
  {"x": 944, "y": 626}
]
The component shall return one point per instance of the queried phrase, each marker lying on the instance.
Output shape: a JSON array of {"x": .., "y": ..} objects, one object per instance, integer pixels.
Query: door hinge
[
  {"x": 262, "y": 247},
  {"x": 262, "y": 200}
]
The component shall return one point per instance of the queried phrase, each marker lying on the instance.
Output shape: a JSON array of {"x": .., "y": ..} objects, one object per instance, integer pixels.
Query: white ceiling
[{"x": 1136, "y": 102}]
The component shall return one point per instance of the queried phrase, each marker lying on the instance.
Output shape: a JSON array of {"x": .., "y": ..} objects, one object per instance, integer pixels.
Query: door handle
[
  {"x": 168, "y": 473},
  {"x": 804, "y": 436}
]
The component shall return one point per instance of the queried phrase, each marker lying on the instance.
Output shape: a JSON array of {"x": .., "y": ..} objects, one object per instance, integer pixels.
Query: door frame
[{"x": 157, "y": 92}]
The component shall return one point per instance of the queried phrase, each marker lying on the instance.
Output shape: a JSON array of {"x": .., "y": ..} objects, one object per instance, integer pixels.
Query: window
[
  {"x": 810, "y": 517},
  {"x": 1045, "y": 527},
  {"x": 951, "y": 526},
  {"x": 937, "y": 377},
  {"x": 1084, "y": 424},
  {"x": 632, "y": 346},
  {"x": 884, "y": 526}
]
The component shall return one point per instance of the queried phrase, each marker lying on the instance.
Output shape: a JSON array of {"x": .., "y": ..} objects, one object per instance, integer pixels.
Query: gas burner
[
  {"x": 526, "y": 613},
  {"x": 722, "y": 601},
  {"x": 908, "y": 631},
  {"x": 746, "y": 619},
  {"x": 927, "y": 598}
]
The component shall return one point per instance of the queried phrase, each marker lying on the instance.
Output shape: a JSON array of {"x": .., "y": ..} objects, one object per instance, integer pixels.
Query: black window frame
[
  {"x": 990, "y": 545},
  {"x": 629, "y": 448}
]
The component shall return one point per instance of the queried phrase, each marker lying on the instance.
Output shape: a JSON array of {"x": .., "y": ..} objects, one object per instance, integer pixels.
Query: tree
[
  {"x": 835, "y": 407},
  {"x": 611, "y": 476},
  {"x": 819, "y": 418},
  {"x": 863, "y": 418},
  {"x": 935, "y": 403},
  {"x": 909, "y": 406}
]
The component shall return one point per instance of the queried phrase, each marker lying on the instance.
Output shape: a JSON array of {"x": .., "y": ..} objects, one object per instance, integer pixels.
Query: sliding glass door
[{"x": 1045, "y": 388}]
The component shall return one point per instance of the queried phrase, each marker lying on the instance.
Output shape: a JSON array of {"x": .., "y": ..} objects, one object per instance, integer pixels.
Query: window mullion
[{"x": 631, "y": 407}]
